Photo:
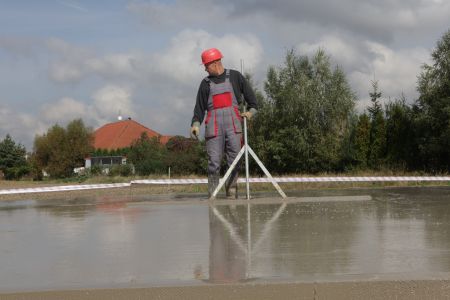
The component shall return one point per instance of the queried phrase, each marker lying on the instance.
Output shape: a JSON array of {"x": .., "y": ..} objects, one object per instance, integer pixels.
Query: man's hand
[
  {"x": 195, "y": 130},
  {"x": 247, "y": 114}
]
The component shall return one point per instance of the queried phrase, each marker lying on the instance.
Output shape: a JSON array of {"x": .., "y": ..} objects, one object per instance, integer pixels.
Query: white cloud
[
  {"x": 74, "y": 64},
  {"x": 120, "y": 65},
  {"x": 382, "y": 20},
  {"x": 63, "y": 110},
  {"x": 109, "y": 101},
  {"x": 364, "y": 61},
  {"x": 70, "y": 62},
  {"x": 19, "y": 46},
  {"x": 395, "y": 71},
  {"x": 21, "y": 126},
  {"x": 167, "y": 81},
  {"x": 165, "y": 15},
  {"x": 181, "y": 61},
  {"x": 346, "y": 52},
  {"x": 65, "y": 72}
]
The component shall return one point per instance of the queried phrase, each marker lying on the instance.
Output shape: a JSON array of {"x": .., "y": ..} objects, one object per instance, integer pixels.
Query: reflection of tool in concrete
[
  {"x": 268, "y": 226},
  {"x": 236, "y": 238},
  {"x": 246, "y": 149},
  {"x": 231, "y": 229}
]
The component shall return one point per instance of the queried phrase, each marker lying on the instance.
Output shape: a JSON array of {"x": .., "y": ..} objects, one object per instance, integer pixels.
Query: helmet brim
[{"x": 208, "y": 62}]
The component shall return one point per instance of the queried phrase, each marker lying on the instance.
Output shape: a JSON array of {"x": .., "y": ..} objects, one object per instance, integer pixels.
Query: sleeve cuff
[{"x": 196, "y": 124}]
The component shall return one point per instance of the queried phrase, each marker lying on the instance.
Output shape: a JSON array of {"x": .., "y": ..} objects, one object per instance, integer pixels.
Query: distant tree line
[
  {"x": 306, "y": 123},
  {"x": 182, "y": 155},
  {"x": 60, "y": 150}
]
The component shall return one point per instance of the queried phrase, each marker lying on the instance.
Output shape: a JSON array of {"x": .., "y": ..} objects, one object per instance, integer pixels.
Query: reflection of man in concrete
[{"x": 227, "y": 252}]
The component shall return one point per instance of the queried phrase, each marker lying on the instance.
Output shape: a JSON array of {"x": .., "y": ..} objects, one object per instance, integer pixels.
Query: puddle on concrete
[{"x": 111, "y": 242}]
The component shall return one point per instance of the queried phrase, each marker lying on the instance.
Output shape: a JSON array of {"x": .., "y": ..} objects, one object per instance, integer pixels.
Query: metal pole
[
  {"x": 247, "y": 181},
  {"x": 169, "y": 179},
  {"x": 249, "y": 241}
]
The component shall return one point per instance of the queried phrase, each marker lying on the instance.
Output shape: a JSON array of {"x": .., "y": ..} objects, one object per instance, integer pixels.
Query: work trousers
[{"x": 229, "y": 143}]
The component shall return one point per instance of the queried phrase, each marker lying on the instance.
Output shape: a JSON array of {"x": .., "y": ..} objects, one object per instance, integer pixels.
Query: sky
[{"x": 66, "y": 59}]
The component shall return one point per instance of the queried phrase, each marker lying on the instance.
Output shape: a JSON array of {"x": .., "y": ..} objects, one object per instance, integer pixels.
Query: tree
[
  {"x": 147, "y": 155},
  {"x": 259, "y": 128},
  {"x": 60, "y": 150},
  {"x": 303, "y": 123},
  {"x": 374, "y": 96},
  {"x": 12, "y": 159},
  {"x": 377, "y": 148},
  {"x": 79, "y": 139},
  {"x": 400, "y": 149},
  {"x": 432, "y": 109},
  {"x": 362, "y": 141},
  {"x": 186, "y": 156}
]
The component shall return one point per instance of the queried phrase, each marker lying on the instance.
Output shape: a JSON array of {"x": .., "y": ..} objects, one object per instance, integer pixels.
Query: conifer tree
[{"x": 377, "y": 148}]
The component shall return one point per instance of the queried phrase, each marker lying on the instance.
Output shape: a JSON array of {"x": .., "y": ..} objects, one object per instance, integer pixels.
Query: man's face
[{"x": 212, "y": 68}]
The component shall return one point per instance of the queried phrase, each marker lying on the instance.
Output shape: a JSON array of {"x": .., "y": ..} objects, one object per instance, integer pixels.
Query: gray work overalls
[{"x": 223, "y": 131}]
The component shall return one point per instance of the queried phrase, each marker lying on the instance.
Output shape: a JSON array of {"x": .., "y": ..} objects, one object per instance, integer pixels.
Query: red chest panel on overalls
[{"x": 222, "y": 100}]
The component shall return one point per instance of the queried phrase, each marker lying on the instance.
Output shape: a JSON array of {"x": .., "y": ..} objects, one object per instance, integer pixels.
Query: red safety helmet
[{"x": 210, "y": 55}]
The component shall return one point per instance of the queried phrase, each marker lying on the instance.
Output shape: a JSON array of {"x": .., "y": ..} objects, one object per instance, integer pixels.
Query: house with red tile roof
[{"x": 122, "y": 134}]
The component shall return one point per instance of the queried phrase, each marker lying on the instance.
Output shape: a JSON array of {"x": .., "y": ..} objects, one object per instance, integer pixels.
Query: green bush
[
  {"x": 96, "y": 170},
  {"x": 17, "y": 172},
  {"x": 121, "y": 170},
  {"x": 147, "y": 155}
]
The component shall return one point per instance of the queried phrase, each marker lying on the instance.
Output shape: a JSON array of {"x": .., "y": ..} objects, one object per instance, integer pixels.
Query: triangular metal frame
[{"x": 244, "y": 149}]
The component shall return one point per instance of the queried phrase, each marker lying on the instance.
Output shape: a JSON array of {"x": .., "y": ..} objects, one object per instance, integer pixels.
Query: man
[{"x": 220, "y": 94}]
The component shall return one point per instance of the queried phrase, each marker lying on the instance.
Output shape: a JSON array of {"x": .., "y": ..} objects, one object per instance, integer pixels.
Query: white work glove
[
  {"x": 195, "y": 130},
  {"x": 248, "y": 114}
]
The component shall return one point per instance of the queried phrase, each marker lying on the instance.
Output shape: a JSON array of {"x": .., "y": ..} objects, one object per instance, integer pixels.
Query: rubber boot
[
  {"x": 232, "y": 193},
  {"x": 213, "y": 182},
  {"x": 231, "y": 190}
]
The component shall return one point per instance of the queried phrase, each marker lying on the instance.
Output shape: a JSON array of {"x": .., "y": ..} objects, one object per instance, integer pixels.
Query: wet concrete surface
[{"x": 315, "y": 236}]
